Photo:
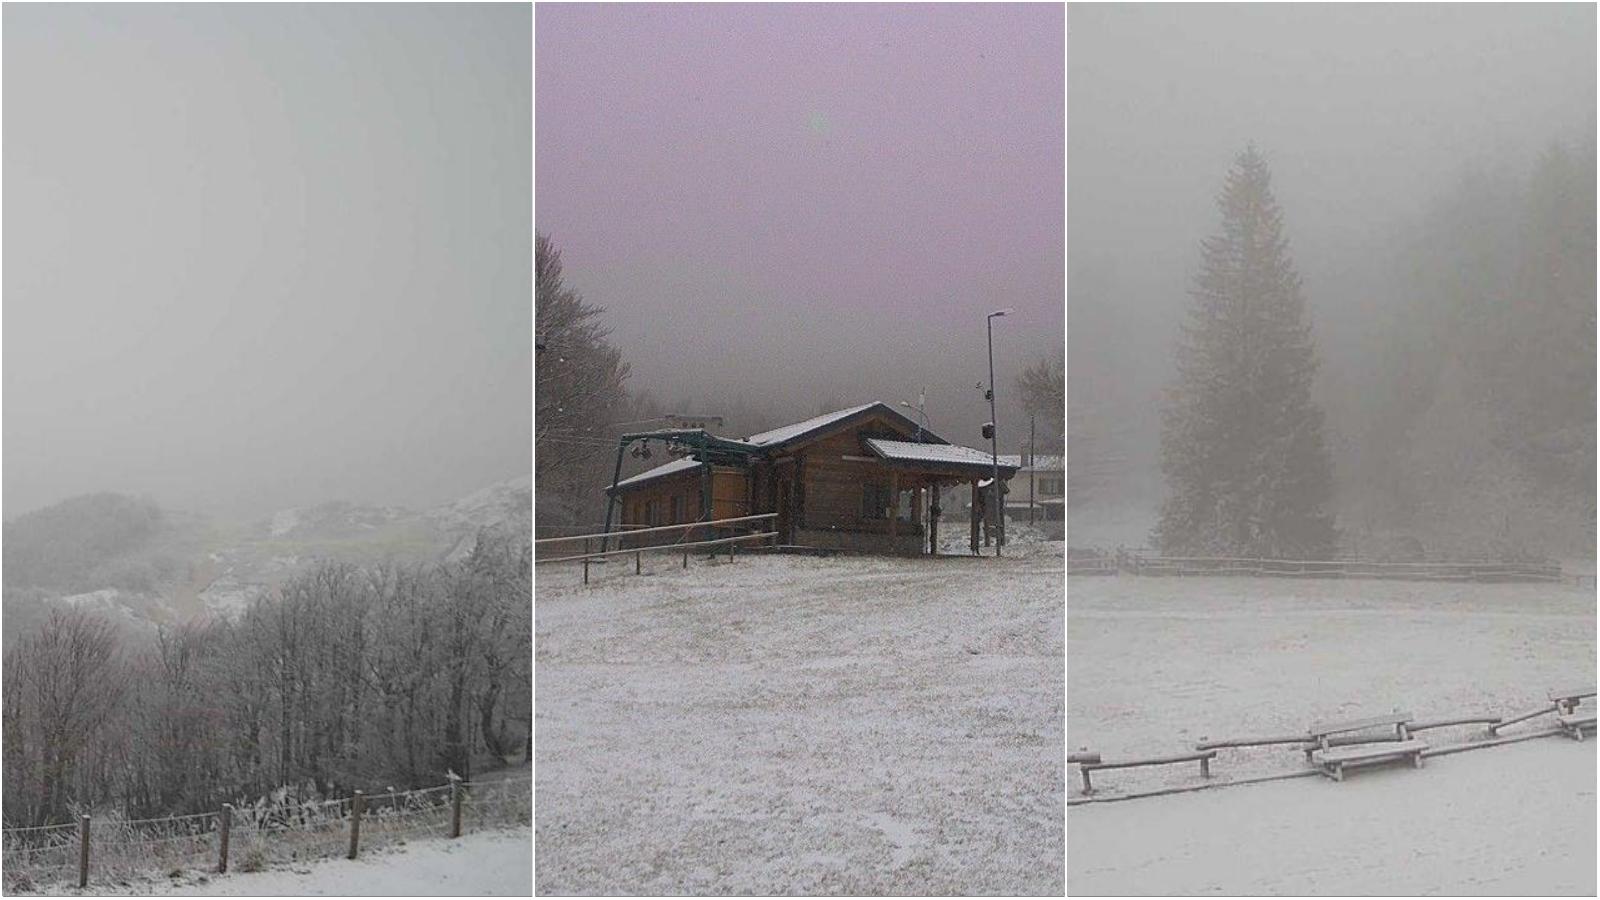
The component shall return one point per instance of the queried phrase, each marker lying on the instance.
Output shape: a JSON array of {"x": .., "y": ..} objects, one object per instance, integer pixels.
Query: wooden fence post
[
  {"x": 83, "y": 851},
  {"x": 225, "y": 827},
  {"x": 357, "y": 804},
  {"x": 455, "y": 807},
  {"x": 638, "y": 562}
]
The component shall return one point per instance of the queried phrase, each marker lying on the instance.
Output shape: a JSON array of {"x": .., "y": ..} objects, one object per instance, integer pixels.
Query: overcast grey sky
[
  {"x": 258, "y": 256},
  {"x": 798, "y": 202}
]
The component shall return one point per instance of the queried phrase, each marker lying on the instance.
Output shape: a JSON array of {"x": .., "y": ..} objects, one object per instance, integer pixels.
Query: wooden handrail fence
[
  {"x": 1100, "y": 562},
  {"x": 28, "y": 841},
  {"x": 686, "y": 529}
]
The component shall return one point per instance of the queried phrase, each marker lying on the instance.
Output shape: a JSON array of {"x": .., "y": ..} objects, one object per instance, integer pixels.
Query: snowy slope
[
  {"x": 1155, "y": 664},
  {"x": 493, "y": 864},
  {"x": 801, "y": 725}
]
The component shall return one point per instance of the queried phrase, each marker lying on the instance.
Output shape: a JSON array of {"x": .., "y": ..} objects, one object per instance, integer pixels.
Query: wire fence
[{"x": 252, "y": 836}]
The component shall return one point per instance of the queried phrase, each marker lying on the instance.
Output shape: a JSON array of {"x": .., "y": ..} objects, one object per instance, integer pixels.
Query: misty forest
[
  {"x": 1428, "y": 393},
  {"x": 1467, "y": 429}
]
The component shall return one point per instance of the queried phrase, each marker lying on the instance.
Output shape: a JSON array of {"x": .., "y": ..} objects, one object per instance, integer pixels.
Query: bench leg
[
  {"x": 1338, "y": 771},
  {"x": 1085, "y": 773},
  {"x": 1416, "y": 760}
]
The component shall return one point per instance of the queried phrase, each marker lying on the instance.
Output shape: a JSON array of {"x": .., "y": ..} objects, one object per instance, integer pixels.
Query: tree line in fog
[{"x": 350, "y": 678}]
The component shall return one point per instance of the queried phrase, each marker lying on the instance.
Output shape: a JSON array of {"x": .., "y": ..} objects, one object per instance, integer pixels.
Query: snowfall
[
  {"x": 802, "y": 725},
  {"x": 1156, "y": 664}
]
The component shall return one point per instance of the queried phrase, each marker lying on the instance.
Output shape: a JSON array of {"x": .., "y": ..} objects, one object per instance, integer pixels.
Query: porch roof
[{"x": 939, "y": 457}]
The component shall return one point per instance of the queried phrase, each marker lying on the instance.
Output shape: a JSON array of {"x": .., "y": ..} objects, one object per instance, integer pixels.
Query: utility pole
[
  {"x": 1032, "y": 467},
  {"x": 994, "y": 441}
]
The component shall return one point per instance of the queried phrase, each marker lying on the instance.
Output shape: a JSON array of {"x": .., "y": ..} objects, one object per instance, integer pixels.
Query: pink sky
[{"x": 872, "y": 165}]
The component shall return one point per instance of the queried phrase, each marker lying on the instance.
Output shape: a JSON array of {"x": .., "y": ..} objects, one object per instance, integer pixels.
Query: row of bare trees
[{"x": 350, "y": 678}]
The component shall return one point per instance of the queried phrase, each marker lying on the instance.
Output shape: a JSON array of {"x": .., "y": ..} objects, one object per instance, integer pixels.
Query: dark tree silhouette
[{"x": 1246, "y": 469}]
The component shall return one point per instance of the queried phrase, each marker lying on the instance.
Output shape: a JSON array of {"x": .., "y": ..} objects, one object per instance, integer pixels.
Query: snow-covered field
[
  {"x": 802, "y": 725},
  {"x": 1155, "y": 664},
  {"x": 491, "y": 863}
]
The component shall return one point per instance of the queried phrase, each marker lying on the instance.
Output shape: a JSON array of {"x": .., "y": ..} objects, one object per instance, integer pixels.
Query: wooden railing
[
  {"x": 589, "y": 555},
  {"x": 1476, "y": 570}
]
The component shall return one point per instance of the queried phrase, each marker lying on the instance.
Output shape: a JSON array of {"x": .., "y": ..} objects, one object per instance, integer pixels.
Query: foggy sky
[
  {"x": 794, "y": 203},
  {"x": 1365, "y": 113},
  {"x": 260, "y": 256}
]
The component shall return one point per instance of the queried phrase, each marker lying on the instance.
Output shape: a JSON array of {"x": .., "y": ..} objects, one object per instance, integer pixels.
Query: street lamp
[{"x": 994, "y": 438}]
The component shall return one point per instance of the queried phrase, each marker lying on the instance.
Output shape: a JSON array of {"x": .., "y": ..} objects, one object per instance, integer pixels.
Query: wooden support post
[
  {"x": 894, "y": 505},
  {"x": 686, "y": 559},
  {"x": 455, "y": 807},
  {"x": 1087, "y": 789},
  {"x": 586, "y": 570},
  {"x": 974, "y": 518},
  {"x": 224, "y": 829},
  {"x": 638, "y": 563},
  {"x": 83, "y": 851},
  {"x": 357, "y": 804},
  {"x": 1205, "y": 767}
]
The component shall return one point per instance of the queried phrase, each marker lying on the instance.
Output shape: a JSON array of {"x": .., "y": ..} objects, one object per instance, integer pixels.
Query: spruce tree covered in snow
[{"x": 1242, "y": 448}]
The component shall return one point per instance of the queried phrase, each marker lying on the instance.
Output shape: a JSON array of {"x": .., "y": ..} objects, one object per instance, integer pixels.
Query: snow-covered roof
[
  {"x": 937, "y": 454},
  {"x": 788, "y": 432},
  {"x": 1041, "y": 462},
  {"x": 671, "y": 468}
]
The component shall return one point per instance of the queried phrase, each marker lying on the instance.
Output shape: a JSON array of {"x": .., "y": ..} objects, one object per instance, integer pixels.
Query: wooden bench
[
  {"x": 1204, "y": 756},
  {"x": 1567, "y": 699},
  {"x": 1322, "y": 731},
  {"x": 1334, "y": 762},
  {"x": 1574, "y": 724}
]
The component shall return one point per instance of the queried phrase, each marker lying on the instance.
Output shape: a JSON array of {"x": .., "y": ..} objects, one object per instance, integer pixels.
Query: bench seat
[
  {"x": 1575, "y": 723},
  {"x": 1567, "y": 699},
  {"x": 1333, "y": 762}
]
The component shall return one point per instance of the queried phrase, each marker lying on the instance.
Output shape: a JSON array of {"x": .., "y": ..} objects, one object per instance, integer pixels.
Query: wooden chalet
[{"x": 864, "y": 478}]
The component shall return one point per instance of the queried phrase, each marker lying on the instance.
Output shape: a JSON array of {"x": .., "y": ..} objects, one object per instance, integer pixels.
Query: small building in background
[{"x": 1046, "y": 475}]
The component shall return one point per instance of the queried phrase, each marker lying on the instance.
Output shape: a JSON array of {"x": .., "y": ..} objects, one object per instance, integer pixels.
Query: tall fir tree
[{"x": 1242, "y": 449}]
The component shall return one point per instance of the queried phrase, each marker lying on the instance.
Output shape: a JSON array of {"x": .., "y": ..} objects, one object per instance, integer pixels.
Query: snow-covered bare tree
[
  {"x": 579, "y": 383},
  {"x": 1246, "y": 469},
  {"x": 1043, "y": 389}
]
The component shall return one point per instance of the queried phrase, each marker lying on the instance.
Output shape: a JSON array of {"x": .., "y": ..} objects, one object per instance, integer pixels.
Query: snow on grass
[
  {"x": 1154, "y": 664},
  {"x": 1516, "y": 820},
  {"x": 490, "y": 863},
  {"x": 793, "y": 724}
]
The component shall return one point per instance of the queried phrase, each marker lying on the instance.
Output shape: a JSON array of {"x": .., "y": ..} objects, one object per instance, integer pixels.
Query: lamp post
[{"x": 994, "y": 439}]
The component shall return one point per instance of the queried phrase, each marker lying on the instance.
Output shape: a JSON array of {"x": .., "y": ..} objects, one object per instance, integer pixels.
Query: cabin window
[
  {"x": 652, "y": 512},
  {"x": 874, "y": 501},
  {"x": 1049, "y": 485}
]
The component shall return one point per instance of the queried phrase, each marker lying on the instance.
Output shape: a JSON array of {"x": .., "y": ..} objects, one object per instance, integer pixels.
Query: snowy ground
[
  {"x": 492, "y": 864},
  {"x": 1155, "y": 664},
  {"x": 802, "y": 725}
]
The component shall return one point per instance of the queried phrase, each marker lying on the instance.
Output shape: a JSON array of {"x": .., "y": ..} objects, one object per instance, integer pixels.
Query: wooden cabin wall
[
  {"x": 729, "y": 498},
  {"x": 834, "y": 485},
  {"x": 730, "y": 493}
]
